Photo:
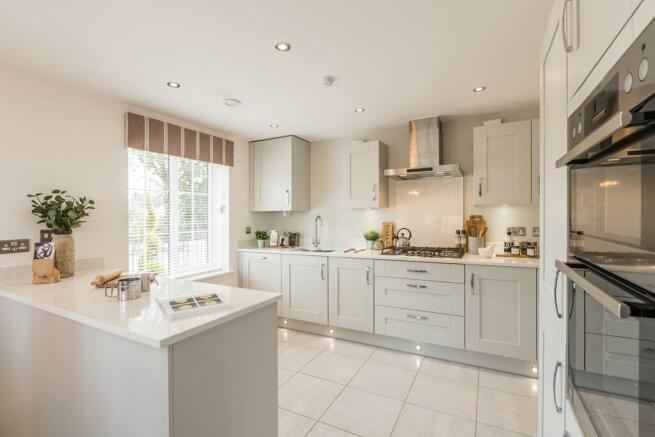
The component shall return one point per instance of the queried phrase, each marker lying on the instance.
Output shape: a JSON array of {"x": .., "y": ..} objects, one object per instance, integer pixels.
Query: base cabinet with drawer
[
  {"x": 262, "y": 272},
  {"x": 420, "y": 301},
  {"x": 351, "y": 293},
  {"x": 305, "y": 288},
  {"x": 501, "y": 311}
]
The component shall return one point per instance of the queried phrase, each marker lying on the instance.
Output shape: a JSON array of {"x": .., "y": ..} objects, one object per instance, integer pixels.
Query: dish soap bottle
[{"x": 508, "y": 242}]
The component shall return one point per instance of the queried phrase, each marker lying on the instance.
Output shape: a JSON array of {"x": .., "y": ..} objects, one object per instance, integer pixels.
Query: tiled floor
[{"x": 335, "y": 388}]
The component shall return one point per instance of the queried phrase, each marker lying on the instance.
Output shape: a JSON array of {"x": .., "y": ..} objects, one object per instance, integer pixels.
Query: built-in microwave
[{"x": 611, "y": 269}]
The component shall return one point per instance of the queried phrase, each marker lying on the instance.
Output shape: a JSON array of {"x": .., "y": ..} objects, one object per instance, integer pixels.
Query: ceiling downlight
[
  {"x": 282, "y": 46},
  {"x": 479, "y": 89},
  {"x": 232, "y": 102},
  {"x": 173, "y": 84}
]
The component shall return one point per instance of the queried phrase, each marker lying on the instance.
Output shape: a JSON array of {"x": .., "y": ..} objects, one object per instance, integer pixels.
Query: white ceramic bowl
[{"x": 486, "y": 252}]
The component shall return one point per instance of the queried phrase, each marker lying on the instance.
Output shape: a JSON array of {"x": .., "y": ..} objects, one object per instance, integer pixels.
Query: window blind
[{"x": 174, "y": 227}]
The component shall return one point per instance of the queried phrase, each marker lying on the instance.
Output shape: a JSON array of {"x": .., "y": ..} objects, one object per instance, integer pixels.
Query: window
[{"x": 177, "y": 214}]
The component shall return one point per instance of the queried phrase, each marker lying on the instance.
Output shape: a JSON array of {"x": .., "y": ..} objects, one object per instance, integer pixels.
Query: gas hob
[{"x": 425, "y": 252}]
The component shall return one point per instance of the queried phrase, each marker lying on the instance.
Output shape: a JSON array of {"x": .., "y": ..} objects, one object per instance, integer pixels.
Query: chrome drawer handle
[
  {"x": 558, "y": 368},
  {"x": 417, "y": 271},
  {"x": 557, "y": 311},
  {"x": 416, "y": 317},
  {"x": 368, "y": 275},
  {"x": 416, "y": 286}
]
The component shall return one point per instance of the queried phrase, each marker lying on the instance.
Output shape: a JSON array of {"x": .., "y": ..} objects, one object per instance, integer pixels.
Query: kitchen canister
[
  {"x": 125, "y": 289},
  {"x": 474, "y": 244}
]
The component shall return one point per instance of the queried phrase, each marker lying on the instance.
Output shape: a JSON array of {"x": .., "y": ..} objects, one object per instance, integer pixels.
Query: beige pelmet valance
[{"x": 145, "y": 133}]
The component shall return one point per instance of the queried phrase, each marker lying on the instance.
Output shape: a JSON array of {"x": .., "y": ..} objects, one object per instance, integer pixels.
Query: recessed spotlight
[
  {"x": 360, "y": 109},
  {"x": 331, "y": 331},
  {"x": 479, "y": 89},
  {"x": 173, "y": 84},
  {"x": 274, "y": 125},
  {"x": 534, "y": 369},
  {"x": 286, "y": 322},
  {"x": 418, "y": 347},
  {"x": 232, "y": 102},
  {"x": 283, "y": 47}
]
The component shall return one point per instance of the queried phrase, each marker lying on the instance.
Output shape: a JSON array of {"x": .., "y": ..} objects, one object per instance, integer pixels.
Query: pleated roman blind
[{"x": 152, "y": 135}]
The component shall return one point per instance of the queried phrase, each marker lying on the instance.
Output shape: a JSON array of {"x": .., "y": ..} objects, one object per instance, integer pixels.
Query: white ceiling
[{"x": 398, "y": 59}]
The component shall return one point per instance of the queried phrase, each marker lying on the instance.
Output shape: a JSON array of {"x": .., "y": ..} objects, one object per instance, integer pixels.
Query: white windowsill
[{"x": 203, "y": 275}]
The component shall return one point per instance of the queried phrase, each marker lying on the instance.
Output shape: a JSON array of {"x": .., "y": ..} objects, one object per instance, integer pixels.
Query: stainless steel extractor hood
[{"x": 425, "y": 150}]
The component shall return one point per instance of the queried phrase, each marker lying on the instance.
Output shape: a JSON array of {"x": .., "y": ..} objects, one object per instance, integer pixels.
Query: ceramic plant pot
[
  {"x": 370, "y": 244},
  {"x": 64, "y": 254},
  {"x": 260, "y": 243}
]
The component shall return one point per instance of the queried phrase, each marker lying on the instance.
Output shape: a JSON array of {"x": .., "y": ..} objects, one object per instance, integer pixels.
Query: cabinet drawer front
[
  {"x": 428, "y": 271},
  {"x": 431, "y": 296},
  {"x": 600, "y": 321},
  {"x": 420, "y": 326}
]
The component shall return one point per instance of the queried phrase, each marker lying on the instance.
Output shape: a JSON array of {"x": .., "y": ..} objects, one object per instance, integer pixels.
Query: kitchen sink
[{"x": 304, "y": 249}]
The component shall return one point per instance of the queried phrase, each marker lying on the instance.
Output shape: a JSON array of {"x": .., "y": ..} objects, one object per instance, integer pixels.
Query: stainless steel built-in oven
[{"x": 611, "y": 269}]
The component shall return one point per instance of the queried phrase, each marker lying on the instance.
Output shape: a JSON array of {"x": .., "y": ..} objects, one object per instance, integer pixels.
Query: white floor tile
[
  {"x": 392, "y": 382},
  {"x": 284, "y": 334},
  {"x": 449, "y": 370},
  {"x": 283, "y": 375},
  {"x": 313, "y": 341},
  {"x": 337, "y": 368},
  {"x": 418, "y": 421},
  {"x": 507, "y": 411},
  {"x": 307, "y": 395},
  {"x": 398, "y": 359},
  {"x": 519, "y": 385},
  {"x": 489, "y": 431},
  {"x": 292, "y": 425},
  {"x": 452, "y": 397},
  {"x": 363, "y": 413},
  {"x": 323, "y": 430},
  {"x": 294, "y": 357},
  {"x": 351, "y": 349}
]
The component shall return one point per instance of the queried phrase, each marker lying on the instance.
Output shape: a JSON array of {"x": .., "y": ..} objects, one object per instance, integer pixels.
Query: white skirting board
[{"x": 494, "y": 362}]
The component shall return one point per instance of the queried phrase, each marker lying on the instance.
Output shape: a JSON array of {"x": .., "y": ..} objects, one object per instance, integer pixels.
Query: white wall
[
  {"x": 345, "y": 226},
  {"x": 55, "y": 136}
]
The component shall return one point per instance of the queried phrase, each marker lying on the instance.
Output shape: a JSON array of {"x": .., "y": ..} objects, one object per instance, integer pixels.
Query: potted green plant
[
  {"x": 261, "y": 236},
  {"x": 62, "y": 213},
  {"x": 371, "y": 237}
]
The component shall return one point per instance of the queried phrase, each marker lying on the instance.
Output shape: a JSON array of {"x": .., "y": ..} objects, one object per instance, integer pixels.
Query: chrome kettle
[{"x": 400, "y": 240}]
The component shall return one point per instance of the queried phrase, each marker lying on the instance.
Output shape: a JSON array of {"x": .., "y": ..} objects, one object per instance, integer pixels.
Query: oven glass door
[
  {"x": 612, "y": 212},
  {"x": 611, "y": 365}
]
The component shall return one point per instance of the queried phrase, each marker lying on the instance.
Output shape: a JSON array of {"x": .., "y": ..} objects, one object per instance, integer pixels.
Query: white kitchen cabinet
[
  {"x": 363, "y": 182},
  {"x": 552, "y": 367},
  {"x": 351, "y": 293},
  {"x": 554, "y": 181},
  {"x": 501, "y": 311},
  {"x": 305, "y": 288},
  {"x": 279, "y": 174},
  {"x": 589, "y": 28},
  {"x": 420, "y": 326},
  {"x": 502, "y": 163},
  {"x": 536, "y": 166},
  {"x": 262, "y": 272}
]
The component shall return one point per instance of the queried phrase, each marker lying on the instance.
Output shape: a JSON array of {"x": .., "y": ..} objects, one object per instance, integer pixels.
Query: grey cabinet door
[
  {"x": 501, "y": 311},
  {"x": 305, "y": 288},
  {"x": 351, "y": 293}
]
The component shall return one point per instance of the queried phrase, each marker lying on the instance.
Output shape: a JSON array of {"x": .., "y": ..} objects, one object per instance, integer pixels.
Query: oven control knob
[
  {"x": 627, "y": 83},
  {"x": 643, "y": 69},
  {"x": 579, "y": 127},
  {"x": 573, "y": 133}
]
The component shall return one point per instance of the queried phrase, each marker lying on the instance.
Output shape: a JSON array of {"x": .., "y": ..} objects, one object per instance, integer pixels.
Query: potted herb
[
  {"x": 371, "y": 237},
  {"x": 261, "y": 236},
  {"x": 62, "y": 213}
]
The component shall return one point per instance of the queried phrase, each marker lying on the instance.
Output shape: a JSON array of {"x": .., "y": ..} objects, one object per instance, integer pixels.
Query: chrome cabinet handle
[
  {"x": 368, "y": 275},
  {"x": 557, "y": 311},
  {"x": 558, "y": 368},
  {"x": 264, "y": 258},
  {"x": 480, "y": 187},
  {"x": 472, "y": 283},
  {"x": 417, "y": 271},
  {"x": 417, "y": 285},
  {"x": 323, "y": 271},
  {"x": 373, "y": 193},
  {"x": 573, "y": 289},
  {"x": 416, "y": 317},
  {"x": 287, "y": 196},
  {"x": 565, "y": 37}
]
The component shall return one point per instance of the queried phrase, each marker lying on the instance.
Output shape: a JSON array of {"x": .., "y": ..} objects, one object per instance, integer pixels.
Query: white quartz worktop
[
  {"x": 375, "y": 254},
  {"x": 142, "y": 319}
]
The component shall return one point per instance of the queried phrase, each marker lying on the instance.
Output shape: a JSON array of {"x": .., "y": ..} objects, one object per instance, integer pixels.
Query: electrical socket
[
  {"x": 248, "y": 229},
  {"x": 45, "y": 236},
  {"x": 14, "y": 246},
  {"x": 535, "y": 231},
  {"x": 517, "y": 231}
]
